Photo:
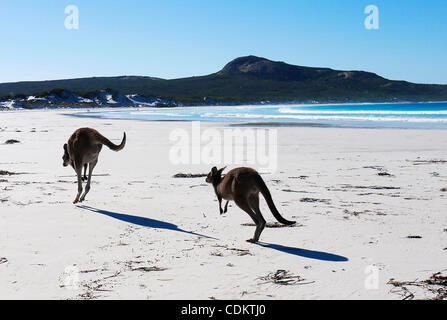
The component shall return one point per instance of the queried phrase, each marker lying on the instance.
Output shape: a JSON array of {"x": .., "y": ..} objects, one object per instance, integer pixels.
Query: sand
[{"x": 368, "y": 203}]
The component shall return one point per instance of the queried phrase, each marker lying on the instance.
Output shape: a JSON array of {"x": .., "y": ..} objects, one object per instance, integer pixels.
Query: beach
[{"x": 369, "y": 205}]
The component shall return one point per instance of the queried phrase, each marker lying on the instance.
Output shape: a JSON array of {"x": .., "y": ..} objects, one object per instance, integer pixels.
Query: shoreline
[
  {"x": 80, "y": 113},
  {"x": 286, "y": 118},
  {"x": 249, "y": 105}
]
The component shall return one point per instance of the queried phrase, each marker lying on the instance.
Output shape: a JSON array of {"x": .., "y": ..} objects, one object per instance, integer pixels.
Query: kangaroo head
[
  {"x": 214, "y": 176},
  {"x": 66, "y": 157}
]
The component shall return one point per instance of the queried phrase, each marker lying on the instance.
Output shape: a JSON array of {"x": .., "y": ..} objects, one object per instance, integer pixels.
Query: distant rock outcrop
[{"x": 265, "y": 68}]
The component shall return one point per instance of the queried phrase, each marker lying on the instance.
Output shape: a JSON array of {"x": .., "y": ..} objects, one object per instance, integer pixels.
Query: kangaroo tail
[
  {"x": 111, "y": 145},
  {"x": 268, "y": 198}
]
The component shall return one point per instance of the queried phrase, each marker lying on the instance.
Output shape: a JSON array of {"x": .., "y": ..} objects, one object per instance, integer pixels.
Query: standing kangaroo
[
  {"x": 243, "y": 186},
  {"x": 83, "y": 149}
]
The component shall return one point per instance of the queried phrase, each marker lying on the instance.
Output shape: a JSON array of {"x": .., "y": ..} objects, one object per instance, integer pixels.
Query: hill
[{"x": 247, "y": 79}]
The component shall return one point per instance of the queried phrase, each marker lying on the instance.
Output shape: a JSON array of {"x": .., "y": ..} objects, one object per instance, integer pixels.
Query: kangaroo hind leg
[
  {"x": 243, "y": 204},
  {"x": 226, "y": 206},
  {"x": 78, "y": 169},
  {"x": 91, "y": 166},
  {"x": 254, "y": 205},
  {"x": 84, "y": 177}
]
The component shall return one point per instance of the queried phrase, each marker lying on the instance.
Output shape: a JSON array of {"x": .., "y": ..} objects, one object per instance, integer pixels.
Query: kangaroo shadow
[
  {"x": 142, "y": 221},
  {"x": 318, "y": 255}
]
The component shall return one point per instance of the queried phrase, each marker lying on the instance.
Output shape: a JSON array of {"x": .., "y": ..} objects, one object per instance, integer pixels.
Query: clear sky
[{"x": 172, "y": 39}]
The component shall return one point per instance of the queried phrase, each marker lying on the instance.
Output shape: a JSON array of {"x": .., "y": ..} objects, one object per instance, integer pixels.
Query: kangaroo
[
  {"x": 243, "y": 186},
  {"x": 83, "y": 149}
]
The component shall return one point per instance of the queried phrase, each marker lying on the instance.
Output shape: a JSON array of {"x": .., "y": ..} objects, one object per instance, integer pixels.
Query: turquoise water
[{"x": 394, "y": 115}]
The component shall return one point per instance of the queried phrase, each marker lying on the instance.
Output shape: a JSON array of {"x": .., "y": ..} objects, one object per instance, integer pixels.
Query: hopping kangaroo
[
  {"x": 243, "y": 186},
  {"x": 83, "y": 149}
]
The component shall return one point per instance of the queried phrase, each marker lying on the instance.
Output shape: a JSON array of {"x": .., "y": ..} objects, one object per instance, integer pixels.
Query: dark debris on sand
[
  {"x": 11, "y": 141},
  {"x": 299, "y": 177},
  {"x": 419, "y": 162},
  {"x": 436, "y": 285},
  {"x": 282, "y": 277},
  {"x": 95, "y": 286},
  {"x": 3, "y": 260},
  {"x": 131, "y": 267},
  {"x": 190, "y": 175},
  {"x": 92, "y": 270},
  {"x": 380, "y": 168},
  {"x": 149, "y": 269},
  {"x": 356, "y": 213},
  {"x": 6, "y": 173},
  {"x": 327, "y": 201},
  {"x": 237, "y": 251},
  {"x": 297, "y": 191},
  {"x": 272, "y": 225},
  {"x": 381, "y": 171},
  {"x": 348, "y": 186}
]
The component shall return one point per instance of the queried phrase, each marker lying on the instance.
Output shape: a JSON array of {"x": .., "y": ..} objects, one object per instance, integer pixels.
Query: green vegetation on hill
[{"x": 244, "y": 80}]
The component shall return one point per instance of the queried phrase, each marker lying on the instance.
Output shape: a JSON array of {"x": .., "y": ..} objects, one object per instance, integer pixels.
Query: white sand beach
[{"x": 368, "y": 203}]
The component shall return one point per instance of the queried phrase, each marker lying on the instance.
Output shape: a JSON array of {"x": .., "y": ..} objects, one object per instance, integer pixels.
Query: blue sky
[{"x": 172, "y": 39}]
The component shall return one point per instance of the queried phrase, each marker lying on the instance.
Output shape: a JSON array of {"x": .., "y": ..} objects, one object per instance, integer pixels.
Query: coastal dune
[{"x": 369, "y": 205}]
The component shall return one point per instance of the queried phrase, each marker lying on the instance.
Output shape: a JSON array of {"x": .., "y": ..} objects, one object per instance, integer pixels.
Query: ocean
[{"x": 431, "y": 115}]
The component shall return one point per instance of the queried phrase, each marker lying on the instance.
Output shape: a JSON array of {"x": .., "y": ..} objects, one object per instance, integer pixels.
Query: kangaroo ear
[
  {"x": 65, "y": 147},
  {"x": 222, "y": 169},
  {"x": 213, "y": 170}
]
